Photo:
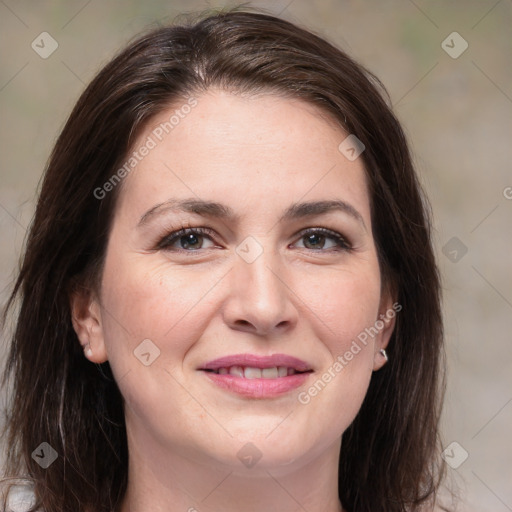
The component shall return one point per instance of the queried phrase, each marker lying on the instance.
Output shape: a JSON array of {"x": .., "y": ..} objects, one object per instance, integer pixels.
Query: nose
[{"x": 260, "y": 301}]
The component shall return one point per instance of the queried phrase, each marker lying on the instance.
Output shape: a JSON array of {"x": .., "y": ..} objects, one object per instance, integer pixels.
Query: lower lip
[{"x": 258, "y": 388}]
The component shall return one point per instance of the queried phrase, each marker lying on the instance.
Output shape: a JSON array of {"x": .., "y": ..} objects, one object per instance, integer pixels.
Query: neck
[{"x": 163, "y": 480}]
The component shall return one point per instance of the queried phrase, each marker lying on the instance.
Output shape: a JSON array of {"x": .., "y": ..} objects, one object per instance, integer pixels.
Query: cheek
[
  {"x": 144, "y": 302},
  {"x": 346, "y": 302},
  {"x": 164, "y": 306},
  {"x": 347, "y": 305}
]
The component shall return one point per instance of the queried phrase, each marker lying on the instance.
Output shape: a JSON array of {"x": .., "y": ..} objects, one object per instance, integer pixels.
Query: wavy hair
[{"x": 389, "y": 456}]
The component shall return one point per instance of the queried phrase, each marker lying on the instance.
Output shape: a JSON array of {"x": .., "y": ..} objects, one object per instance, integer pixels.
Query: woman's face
[{"x": 257, "y": 276}]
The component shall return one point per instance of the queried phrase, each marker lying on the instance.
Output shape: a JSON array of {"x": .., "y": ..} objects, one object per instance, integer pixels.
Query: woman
[{"x": 229, "y": 299}]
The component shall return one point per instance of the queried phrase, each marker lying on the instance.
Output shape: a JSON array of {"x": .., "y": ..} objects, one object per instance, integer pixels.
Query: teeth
[
  {"x": 252, "y": 373},
  {"x": 269, "y": 373},
  {"x": 236, "y": 370},
  {"x": 249, "y": 372}
]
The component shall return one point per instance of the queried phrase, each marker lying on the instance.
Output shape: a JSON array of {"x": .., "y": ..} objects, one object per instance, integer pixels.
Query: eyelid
[
  {"x": 343, "y": 243},
  {"x": 341, "y": 239},
  {"x": 184, "y": 230}
]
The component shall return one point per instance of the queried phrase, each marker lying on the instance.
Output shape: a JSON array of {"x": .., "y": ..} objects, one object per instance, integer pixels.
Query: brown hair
[{"x": 389, "y": 455}]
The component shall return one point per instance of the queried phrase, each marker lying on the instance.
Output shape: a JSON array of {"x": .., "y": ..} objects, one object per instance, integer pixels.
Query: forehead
[{"x": 252, "y": 152}]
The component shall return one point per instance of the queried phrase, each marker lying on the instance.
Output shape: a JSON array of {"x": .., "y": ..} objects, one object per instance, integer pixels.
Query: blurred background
[{"x": 448, "y": 69}]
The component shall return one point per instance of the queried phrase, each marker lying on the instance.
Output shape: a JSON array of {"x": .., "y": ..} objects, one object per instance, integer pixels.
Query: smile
[{"x": 251, "y": 372}]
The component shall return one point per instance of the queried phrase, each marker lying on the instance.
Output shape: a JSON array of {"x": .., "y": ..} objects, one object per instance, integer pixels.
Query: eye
[
  {"x": 323, "y": 239},
  {"x": 193, "y": 239},
  {"x": 187, "y": 239}
]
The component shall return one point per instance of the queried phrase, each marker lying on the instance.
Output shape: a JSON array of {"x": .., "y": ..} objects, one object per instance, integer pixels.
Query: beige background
[{"x": 456, "y": 111}]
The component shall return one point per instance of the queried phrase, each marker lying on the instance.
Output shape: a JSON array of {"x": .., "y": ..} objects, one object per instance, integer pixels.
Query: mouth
[
  {"x": 253, "y": 366},
  {"x": 255, "y": 376},
  {"x": 252, "y": 372}
]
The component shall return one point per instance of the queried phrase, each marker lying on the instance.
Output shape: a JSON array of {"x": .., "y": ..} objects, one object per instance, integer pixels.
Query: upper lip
[{"x": 256, "y": 361}]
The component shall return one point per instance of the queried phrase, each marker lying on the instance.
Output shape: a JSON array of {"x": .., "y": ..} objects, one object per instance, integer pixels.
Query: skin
[{"x": 257, "y": 155}]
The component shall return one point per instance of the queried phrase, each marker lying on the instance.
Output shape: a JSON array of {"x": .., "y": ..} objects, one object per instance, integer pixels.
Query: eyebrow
[{"x": 221, "y": 211}]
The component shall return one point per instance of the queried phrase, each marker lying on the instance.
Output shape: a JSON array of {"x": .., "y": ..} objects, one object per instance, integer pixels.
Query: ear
[
  {"x": 87, "y": 323},
  {"x": 388, "y": 309}
]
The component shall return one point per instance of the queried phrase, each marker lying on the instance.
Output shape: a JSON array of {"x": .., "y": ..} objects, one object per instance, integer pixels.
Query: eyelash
[{"x": 168, "y": 240}]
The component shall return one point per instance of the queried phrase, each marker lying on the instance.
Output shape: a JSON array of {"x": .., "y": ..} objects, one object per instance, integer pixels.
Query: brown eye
[
  {"x": 314, "y": 241},
  {"x": 186, "y": 240},
  {"x": 323, "y": 239},
  {"x": 191, "y": 241}
]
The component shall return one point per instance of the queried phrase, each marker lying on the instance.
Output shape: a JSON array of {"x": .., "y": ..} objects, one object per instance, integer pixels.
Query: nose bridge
[
  {"x": 261, "y": 278},
  {"x": 259, "y": 295}
]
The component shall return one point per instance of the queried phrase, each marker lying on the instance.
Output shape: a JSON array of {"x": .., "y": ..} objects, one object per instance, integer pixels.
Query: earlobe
[
  {"x": 387, "y": 318},
  {"x": 87, "y": 323}
]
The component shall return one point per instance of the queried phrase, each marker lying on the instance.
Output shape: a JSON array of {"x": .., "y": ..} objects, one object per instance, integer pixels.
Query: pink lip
[
  {"x": 258, "y": 362},
  {"x": 258, "y": 388}
]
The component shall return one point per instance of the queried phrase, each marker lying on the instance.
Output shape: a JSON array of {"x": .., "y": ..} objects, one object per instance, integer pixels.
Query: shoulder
[{"x": 18, "y": 496}]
